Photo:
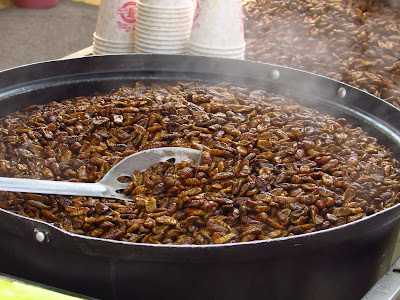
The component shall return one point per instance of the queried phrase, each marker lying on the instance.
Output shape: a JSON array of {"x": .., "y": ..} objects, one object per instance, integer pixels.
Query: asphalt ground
[{"x": 33, "y": 35}]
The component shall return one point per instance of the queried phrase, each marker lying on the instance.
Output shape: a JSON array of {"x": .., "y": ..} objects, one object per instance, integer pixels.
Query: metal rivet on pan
[
  {"x": 41, "y": 236},
  {"x": 342, "y": 92},
  {"x": 275, "y": 74}
]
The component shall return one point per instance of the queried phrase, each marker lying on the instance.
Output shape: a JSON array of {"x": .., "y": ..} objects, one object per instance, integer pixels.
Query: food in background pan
[{"x": 356, "y": 42}]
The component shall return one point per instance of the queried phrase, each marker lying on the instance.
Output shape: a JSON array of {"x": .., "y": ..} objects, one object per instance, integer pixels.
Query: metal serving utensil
[{"x": 108, "y": 186}]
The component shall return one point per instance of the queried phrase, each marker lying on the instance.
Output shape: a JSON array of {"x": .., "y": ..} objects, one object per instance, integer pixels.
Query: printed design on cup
[
  {"x": 197, "y": 13},
  {"x": 128, "y": 14},
  {"x": 239, "y": 4}
]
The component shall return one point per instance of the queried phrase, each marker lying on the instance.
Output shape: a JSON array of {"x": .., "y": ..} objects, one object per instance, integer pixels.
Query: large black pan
[{"x": 341, "y": 263}]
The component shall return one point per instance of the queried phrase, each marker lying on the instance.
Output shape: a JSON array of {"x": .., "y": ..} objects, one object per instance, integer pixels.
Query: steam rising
[{"x": 356, "y": 42}]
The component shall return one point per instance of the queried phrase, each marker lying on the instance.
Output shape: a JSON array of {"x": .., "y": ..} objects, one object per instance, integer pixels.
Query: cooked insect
[{"x": 270, "y": 168}]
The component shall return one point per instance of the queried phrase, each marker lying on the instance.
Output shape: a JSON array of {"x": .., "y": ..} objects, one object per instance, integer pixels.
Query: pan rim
[{"x": 18, "y": 89}]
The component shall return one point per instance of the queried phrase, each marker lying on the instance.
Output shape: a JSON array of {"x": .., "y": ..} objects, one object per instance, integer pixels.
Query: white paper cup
[
  {"x": 176, "y": 29},
  {"x": 140, "y": 49},
  {"x": 218, "y": 23},
  {"x": 104, "y": 42},
  {"x": 97, "y": 38},
  {"x": 162, "y": 15},
  {"x": 116, "y": 20},
  {"x": 114, "y": 47},
  {"x": 165, "y": 13},
  {"x": 173, "y": 4},
  {"x": 206, "y": 47},
  {"x": 102, "y": 52},
  {"x": 109, "y": 50},
  {"x": 170, "y": 18},
  {"x": 240, "y": 56},
  {"x": 163, "y": 33},
  {"x": 166, "y": 24},
  {"x": 162, "y": 41},
  {"x": 235, "y": 54},
  {"x": 161, "y": 38},
  {"x": 164, "y": 10},
  {"x": 160, "y": 46},
  {"x": 221, "y": 52},
  {"x": 154, "y": 46},
  {"x": 150, "y": 40}
]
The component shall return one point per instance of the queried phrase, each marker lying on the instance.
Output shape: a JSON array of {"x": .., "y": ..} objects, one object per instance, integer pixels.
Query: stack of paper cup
[
  {"x": 217, "y": 29},
  {"x": 163, "y": 26},
  {"x": 115, "y": 29}
]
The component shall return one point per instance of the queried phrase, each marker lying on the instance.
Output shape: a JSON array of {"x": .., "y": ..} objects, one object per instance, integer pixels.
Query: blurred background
[{"x": 33, "y": 35}]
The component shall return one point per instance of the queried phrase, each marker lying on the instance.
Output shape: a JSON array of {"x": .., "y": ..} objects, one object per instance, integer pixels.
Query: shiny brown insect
[{"x": 270, "y": 168}]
